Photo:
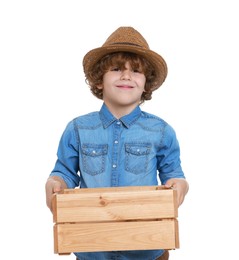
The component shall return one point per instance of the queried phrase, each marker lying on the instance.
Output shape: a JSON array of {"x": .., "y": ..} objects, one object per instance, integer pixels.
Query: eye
[
  {"x": 115, "y": 69},
  {"x": 137, "y": 71}
]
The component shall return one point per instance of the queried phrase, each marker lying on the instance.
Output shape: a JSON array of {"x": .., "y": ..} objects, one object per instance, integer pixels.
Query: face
[{"x": 122, "y": 89}]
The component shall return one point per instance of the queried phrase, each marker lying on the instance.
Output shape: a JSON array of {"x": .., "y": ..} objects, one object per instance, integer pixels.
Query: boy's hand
[
  {"x": 179, "y": 184},
  {"x": 53, "y": 185}
]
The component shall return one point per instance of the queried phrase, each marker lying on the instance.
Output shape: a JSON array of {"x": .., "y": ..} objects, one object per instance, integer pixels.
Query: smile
[{"x": 125, "y": 87}]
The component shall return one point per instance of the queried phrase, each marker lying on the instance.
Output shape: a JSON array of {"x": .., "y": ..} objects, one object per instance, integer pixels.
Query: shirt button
[
  {"x": 114, "y": 166},
  {"x": 118, "y": 123},
  {"x": 116, "y": 142}
]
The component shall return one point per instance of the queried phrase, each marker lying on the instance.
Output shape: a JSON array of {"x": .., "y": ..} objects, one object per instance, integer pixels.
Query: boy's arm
[
  {"x": 64, "y": 175},
  {"x": 53, "y": 185},
  {"x": 179, "y": 184},
  {"x": 169, "y": 165}
]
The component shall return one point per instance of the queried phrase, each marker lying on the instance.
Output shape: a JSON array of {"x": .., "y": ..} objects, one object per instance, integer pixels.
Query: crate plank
[
  {"x": 133, "y": 235},
  {"x": 111, "y": 204}
]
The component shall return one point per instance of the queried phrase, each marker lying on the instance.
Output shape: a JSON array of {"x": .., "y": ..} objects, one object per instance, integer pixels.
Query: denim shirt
[{"x": 99, "y": 150}]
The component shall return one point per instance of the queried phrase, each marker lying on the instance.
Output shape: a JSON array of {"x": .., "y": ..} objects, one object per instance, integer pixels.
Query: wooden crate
[{"x": 111, "y": 219}]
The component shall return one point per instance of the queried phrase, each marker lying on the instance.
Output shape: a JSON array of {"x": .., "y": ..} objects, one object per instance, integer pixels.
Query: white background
[{"x": 42, "y": 87}]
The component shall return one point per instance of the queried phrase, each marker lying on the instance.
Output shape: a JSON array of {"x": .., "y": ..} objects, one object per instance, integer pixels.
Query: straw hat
[{"x": 129, "y": 40}]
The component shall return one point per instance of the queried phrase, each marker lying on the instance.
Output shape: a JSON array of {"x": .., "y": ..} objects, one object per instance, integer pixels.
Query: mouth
[{"x": 124, "y": 87}]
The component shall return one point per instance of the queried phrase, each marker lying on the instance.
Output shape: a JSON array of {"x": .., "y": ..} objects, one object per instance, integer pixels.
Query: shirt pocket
[
  {"x": 137, "y": 157},
  {"x": 94, "y": 157}
]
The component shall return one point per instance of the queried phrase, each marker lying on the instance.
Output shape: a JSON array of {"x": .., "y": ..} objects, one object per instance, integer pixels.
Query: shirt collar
[{"x": 107, "y": 118}]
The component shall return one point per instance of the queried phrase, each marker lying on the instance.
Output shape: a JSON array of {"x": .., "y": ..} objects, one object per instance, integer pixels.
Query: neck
[{"x": 120, "y": 111}]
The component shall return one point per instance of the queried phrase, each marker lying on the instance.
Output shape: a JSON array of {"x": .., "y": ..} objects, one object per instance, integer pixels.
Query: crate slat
[
  {"x": 111, "y": 204},
  {"x": 113, "y": 236}
]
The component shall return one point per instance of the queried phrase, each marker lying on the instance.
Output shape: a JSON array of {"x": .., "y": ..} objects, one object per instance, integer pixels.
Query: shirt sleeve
[
  {"x": 67, "y": 164},
  {"x": 168, "y": 158}
]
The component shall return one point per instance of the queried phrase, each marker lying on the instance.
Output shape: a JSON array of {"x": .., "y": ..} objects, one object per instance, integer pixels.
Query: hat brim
[{"x": 160, "y": 66}]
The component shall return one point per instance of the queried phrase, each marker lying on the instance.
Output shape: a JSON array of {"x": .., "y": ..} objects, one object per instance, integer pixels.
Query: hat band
[{"x": 126, "y": 43}]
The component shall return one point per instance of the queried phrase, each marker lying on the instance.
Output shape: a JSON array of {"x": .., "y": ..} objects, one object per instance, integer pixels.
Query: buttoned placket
[{"x": 116, "y": 134}]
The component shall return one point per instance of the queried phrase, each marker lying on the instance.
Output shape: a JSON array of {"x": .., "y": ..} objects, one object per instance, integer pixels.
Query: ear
[{"x": 100, "y": 86}]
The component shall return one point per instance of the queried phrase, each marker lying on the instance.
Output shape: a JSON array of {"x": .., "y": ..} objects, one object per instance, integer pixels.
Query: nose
[{"x": 126, "y": 75}]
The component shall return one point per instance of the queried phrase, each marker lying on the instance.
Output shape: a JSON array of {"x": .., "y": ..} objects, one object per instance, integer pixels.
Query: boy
[{"x": 120, "y": 145}]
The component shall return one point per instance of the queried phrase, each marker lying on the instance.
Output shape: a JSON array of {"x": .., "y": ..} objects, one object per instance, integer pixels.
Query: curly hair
[{"x": 94, "y": 77}]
